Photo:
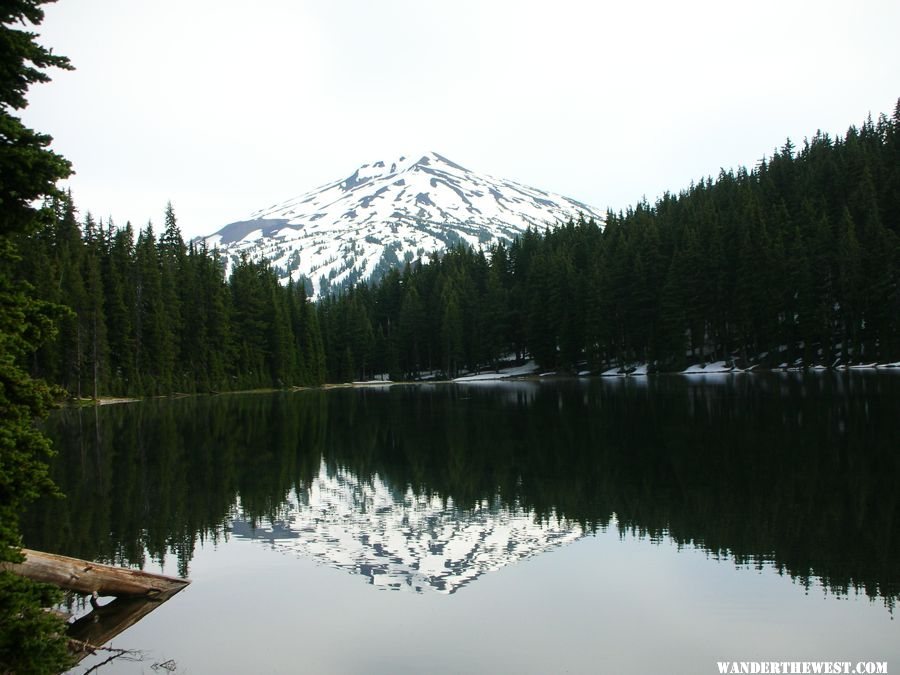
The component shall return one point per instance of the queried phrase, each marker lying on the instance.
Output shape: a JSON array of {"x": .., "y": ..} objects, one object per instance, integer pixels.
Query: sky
[{"x": 224, "y": 107}]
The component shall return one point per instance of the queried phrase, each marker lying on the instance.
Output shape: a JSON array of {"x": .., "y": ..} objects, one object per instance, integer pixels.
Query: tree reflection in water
[{"x": 793, "y": 471}]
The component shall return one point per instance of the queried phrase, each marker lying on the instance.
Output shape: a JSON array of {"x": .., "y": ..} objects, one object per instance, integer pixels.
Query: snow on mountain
[
  {"x": 403, "y": 541},
  {"x": 387, "y": 213}
]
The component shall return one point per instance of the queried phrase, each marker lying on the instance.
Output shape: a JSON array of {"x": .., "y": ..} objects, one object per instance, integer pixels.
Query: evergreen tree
[
  {"x": 849, "y": 286},
  {"x": 30, "y": 639},
  {"x": 71, "y": 292},
  {"x": 494, "y": 315},
  {"x": 118, "y": 274},
  {"x": 282, "y": 345},
  {"x": 311, "y": 343},
  {"x": 216, "y": 352},
  {"x": 411, "y": 324},
  {"x": 672, "y": 321},
  {"x": 92, "y": 316},
  {"x": 451, "y": 330},
  {"x": 155, "y": 333},
  {"x": 251, "y": 299},
  {"x": 174, "y": 287},
  {"x": 543, "y": 311}
]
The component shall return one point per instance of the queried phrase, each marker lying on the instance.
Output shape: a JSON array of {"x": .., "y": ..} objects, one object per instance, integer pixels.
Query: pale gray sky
[{"x": 227, "y": 106}]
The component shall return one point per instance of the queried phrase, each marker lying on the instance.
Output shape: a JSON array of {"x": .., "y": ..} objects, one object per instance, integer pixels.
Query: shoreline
[{"x": 472, "y": 379}]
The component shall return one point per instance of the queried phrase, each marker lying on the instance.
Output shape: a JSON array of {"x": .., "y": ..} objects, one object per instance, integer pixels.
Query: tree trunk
[{"x": 86, "y": 577}]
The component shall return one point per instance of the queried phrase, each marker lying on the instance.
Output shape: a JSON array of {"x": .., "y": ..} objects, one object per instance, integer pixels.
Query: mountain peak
[
  {"x": 409, "y": 162},
  {"x": 388, "y": 212}
]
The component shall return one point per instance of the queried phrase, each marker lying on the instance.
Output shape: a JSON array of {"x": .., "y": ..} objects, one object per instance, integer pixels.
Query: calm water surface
[{"x": 635, "y": 526}]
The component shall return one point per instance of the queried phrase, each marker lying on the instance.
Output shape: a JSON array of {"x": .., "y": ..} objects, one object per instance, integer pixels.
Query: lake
[{"x": 641, "y": 525}]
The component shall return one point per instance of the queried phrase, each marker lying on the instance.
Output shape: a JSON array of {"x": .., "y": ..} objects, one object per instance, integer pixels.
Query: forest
[
  {"x": 796, "y": 262},
  {"x": 152, "y": 315}
]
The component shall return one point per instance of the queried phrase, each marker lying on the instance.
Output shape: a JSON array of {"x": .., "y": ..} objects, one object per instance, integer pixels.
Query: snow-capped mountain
[
  {"x": 404, "y": 541},
  {"x": 386, "y": 213}
]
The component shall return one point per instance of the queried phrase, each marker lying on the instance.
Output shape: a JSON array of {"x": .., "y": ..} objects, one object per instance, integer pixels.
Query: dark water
[{"x": 643, "y": 525}]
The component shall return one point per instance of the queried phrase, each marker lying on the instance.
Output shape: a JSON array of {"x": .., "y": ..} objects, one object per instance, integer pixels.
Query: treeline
[
  {"x": 153, "y": 315},
  {"x": 795, "y": 261}
]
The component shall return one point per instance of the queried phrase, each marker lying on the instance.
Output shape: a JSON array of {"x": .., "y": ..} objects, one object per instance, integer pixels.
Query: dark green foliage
[
  {"x": 31, "y": 641},
  {"x": 796, "y": 260},
  {"x": 23, "y": 449},
  {"x": 157, "y": 316}
]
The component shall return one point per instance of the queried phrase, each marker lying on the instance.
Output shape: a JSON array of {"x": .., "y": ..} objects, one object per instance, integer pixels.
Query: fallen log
[{"x": 81, "y": 576}]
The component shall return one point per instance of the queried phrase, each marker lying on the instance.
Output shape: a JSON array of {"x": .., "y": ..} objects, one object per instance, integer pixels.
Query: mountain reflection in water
[
  {"x": 404, "y": 541},
  {"x": 431, "y": 486}
]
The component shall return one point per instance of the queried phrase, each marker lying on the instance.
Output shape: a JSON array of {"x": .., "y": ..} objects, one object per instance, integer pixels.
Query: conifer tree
[
  {"x": 849, "y": 282},
  {"x": 92, "y": 316},
  {"x": 118, "y": 274},
  {"x": 315, "y": 349},
  {"x": 71, "y": 279},
  {"x": 174, "y": 287},
  {"x": 30, "y": 639},
  {"x": 494, "y": 314}
]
